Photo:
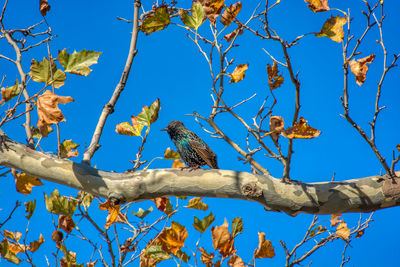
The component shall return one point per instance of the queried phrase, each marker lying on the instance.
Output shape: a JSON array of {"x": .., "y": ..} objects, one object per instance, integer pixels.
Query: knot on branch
[
  {"x": 252, "y": 190},
  {"x": 116, "y": 198},
  {"x": 391, "y": 187}
]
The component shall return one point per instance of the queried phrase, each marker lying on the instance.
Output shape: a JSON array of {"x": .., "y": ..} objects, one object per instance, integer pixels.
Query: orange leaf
[
  {"x": 359, "y": 68},
  {"x": 113, "y": 213},
  {"x": 44, "y": 7},
  {"x": 238, "y": 74},
  {"x": 342, "y": 231},
  {"x": 275, "y": 80},
  {"x": 222, "y": 239},
  {"x": 333, "y": 29},
  {"x": 178, "y": 164},
  {"x": 230, "y": 13},
  {"x": 265, "y": 248},
  {"x": 161, "y": 202},
  {"x": 66, "y": 223},
  {"x": 25, "y": 182},
  {"x": 318, "y": 5},
  {"x": 301, "y": 130},
  {"x": 206, "y": 258},
  {"x": 236, "y": 261},
  {"x": 276, "y": 126},
  {"x": 173, "y": 238},
  {"x": 35, "y": 245},
  {"x": 17, "y": 248},
  {"x": 335, "y": 219}
]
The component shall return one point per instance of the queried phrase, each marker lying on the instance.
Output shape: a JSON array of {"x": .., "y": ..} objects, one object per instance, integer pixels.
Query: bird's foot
[{"x": 191, "y": 168}]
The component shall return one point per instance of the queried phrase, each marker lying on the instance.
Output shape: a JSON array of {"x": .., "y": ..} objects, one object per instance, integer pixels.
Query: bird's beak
[{"x": 165, "y": 129}]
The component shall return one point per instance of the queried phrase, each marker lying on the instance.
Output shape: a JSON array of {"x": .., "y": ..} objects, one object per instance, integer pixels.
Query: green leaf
[
  {"x": 78, "y": 62},
  {"x": 40, "y": 72},
  {"x": 196, "y": 19},
  {"x": 10, "y": 92},
  {"x": 67, "y": 149},
  {"x": 157, "y": 253},
  {"x": 142, "y": 213},
  {"x": 202, "y": 225},
  {"x": 182, "y": 256},
  {"x": 182, "y": 197},
  {"x": 86, "y": 198},
  {"x": 59, "y": 204},
  {"x": 149, "y": 114},
  {"x": 7, "y": 254},
  {"x": 30, "y": 208},
  {"x": 157, "y": 21},
  {"x": 171, "y": 154},
  {"x": 237, "y": 226},
  {"x": 195, "y": 203}
]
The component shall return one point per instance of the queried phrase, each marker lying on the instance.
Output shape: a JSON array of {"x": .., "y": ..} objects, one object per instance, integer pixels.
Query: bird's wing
[{"x": 203, "y": 150}]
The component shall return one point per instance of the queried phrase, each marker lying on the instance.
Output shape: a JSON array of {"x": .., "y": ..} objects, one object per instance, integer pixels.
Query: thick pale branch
[{"x": 357, "y": 195}]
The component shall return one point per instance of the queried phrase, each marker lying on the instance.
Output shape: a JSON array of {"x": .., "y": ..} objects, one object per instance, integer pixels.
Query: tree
[{"x": 264, "y": 129}]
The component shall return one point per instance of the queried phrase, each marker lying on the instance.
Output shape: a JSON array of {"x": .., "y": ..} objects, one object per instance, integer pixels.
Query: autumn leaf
[
  {"x": 236, "y": 261},
  {"x": 37, "y": 134},
  {"x": 113, "y": 213},
  {"x": 163, "y": 204},
  {"x": 212, "y": 9},
  {"x": 360, "y": 234},
  {"x": 149, "y": 114},
  {"x": 66, "y": 223},
  {"x": 202, "y": 225},
  {"x": 178, "y": 164},
  {"x": 276, "y": 126},
  {"x": 142, "y": 213},
  {"x": 48, "y": 111},
  {"x": 265, "y": 248},
  {"x": 317, "y": 230},
  {"x": 333, "y": 29},
  {"x": 41, "y": 72},
  {"x": 335, "y": 219},
  {"x": 275, "y": 80},
  {"x": 153, "y": 254},
  {"x": 171, "y": 154},
  {"x": 157, "y": 21},
  {"x": 44, "y": 7},
  {"x": 35, "y": 245},
  {"x": 301, "y": 130},
  {"x": 10, "y": 92},
  {"x": 173, "y": 238},
  {"x": 7, "y": 253},
  {"x": 15, "y": 236},
  {"x": 206, "y": 258},
  {"x": 30, "y": 208},
  {"x": 78, "y": 62},
  {"x": 196, "y": 19},
  {"x": 67, "y": 149},
  {"x": 342, "y": 231},
  {"x": 231, "y": 13},
  {"x": 195, "y": 203},
  {"x": 359, "y": 68},
  {"x": 233, "y": 34},
  {"x": 24, "y": 182},
  {"x": 318, "y": 5},
  {"x": 239, "y": 73},
  {"x": 60, "y": 204},
  {"x": 223, "y": 240},
  {"x": 237, "y": 226}
]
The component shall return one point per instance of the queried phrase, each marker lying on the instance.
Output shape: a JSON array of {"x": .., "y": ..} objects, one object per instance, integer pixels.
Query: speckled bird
[{"x": 193, "y": 151}]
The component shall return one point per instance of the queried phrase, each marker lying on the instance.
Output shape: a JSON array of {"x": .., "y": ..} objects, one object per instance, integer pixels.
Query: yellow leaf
[
  {"x": 342, "y": 231},
  {"x": 113, "y": 213},
  {"x": 301, "y": 130},
  {"x": 335, "y": 219},
  {"x": 67, "y": 149},
  {"x": 318, "y": 5},
  {"x": 239, "y": 73},
  {"x": 178, "y": 164},
  {"x": 359, "y": 68},
  {"x": 156, "y": 21},
  {"x": 265, "y": 248},
  {"x": 25, "y": 182},
  {"x": 231, "y": 13},
  {"x": 275, "y": 79},
  {"x": 333, "y": 29},
  {"x": 173, "y": 238},
  {"x": 195, "y": 203},
  {"x": 17, "y": 248},
  {"x": 276, "y": 126},
  {"x": 171, "y": 154}
]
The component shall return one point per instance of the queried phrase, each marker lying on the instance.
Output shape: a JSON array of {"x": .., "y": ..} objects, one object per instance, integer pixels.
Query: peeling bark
[{"x": 356, "y": 195}]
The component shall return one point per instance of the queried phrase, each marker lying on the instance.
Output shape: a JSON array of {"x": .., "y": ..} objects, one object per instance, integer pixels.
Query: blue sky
[{"x": 168, "y": 66}]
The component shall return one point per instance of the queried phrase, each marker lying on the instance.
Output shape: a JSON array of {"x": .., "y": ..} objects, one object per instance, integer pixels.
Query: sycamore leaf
[
  {"x": 163, "y": 204},
  {"x": 236, "y": 261},
  {"x": 182, "y": 256},
  {"x": 171, "y": 154},
  {"x": 59, "y": 204},
  {"x": 114, "y": 215},
  {"x": 44, "y": 7},
  {"x": 16, "y": 236},
  {"x": 66, "y": 223},
  {"x": 212, "y": 8},
  {"x": 48, "y": 111},
  {"x": 178, "y": 164},
  {"x": 142, "y": 213},
  {"x": 157, "y": 21},
  {"x": 67, "y": 149},
  {"x": 333, "y": 29},
  {"x": 36, "y": 132},
  {"x": 318, "y": 5},
  {"x": 301, "y": 130},
  {"x": 149, "y": 114},
  {"x": 239, "y": 73},
  {"x": 173, "y": 238},
  {"x": 35, "y": 245},
  {"x": 153, "y": 254},
  {"x": 85, "y": 198},
  {"x": 237, "y": 226},
  {"x": 275, "y": 80},
  {"x": 223, "y": 240},
  {"x": 41, "y": 72},
  {"x": 265, "y": 248},
  {"x": 195, "y": 203},
  {"x": 335, "y": 219},
  {"x": 25, "y": 182},
  {"x": 233, "y": 34},
  {"x": 69, "y": 259},
  {"x": 196, "y": 19},
  {"x": 78, "y": 62},
  {"x": 7, "y": 254},
  {"x": 206, "y": 258},
  {"x": 342, "y": 231},
  {"x": 125, "y": 128},
  {"x": 276, "y": 126},
  {"x": 30, "y": 208},
  {"x": 359, "y": 68},
  {"x": 231, "y": 13},
  {"x": 202, "y": 225},
  {"x": 10, "y": 92}
]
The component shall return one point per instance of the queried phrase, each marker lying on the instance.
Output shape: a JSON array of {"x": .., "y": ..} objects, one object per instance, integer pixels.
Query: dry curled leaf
[
  {"x": 359, "y": 68},
  {"x": 333, "y": 29},
  {"x": 35, "y": 245},
  {"x": 178, "y": 164},
  {"x": 223, "y": 240},
  {"x": 25, "y": 182},
  {"x": 275, "y": 80},
  {"x": 236, "y": 261},
  {"x": 335, "y": 219},
  {"x": 212, "y": 9},
  {"x": 66, "y": 223},
  {"x": 343, "y": 231},
  {"x": 206, "y": 258},
  {"x": 265, "y": 248},
  {"x": 238, "y": 74},
  {"x": 230, "y": 13},
  {"x": 233, "y": 34},
  {"x": 44, "y": 7},
  {"x": 113, "y": 213},
  {"x": 276, "y": 126},
  {"x": 318, "y": 5},
  {"x": 301, "y": 130},
  {"x": 173, "y": 238}
]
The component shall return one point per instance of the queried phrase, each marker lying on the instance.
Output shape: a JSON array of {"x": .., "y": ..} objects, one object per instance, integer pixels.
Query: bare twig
[{"x": 17, "y": 204}]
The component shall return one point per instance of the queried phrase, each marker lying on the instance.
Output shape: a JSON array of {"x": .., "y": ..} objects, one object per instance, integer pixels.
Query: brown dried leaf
[
  {"x": 35, "y": 245},
  {"x": 212, "y": 8},
  {"x": 228, "y": 248},
  {"x": 360, "y": 234},
  {"x": 17, "y": 248},
  {"x": 335, "y": 219},
  {"x": 16, "y": 236},
  {"x": 178, "y": 164},
  {"x": 276, "y": 126},
  {"x": 44, "y": 7},
  {"x": 301, "y": 130},
  {"x": 333, "y": 29},
  {"x": 231, "y": 13},
  {"x": 173, "y": 238},
  {"x": 206, "y": 258},
  {"x": 265, "y": 248},
  {"x": 233, "y": 34},
  {"x": 318, "y": 5},
  {"x": 359, "y": 68},
  {"x": 236, "y": 261},
  {"x": 66, "y": 223},
  {"x": 25, "y": 182},
  {"x": 238, "y": 74},
  {"x": 275, "y": 80},
  {"x": 113, "y": 213},
  {"x": 161, "y": 202},
  {"x": 342, "y": 231},
  {"x": 223, "y": 240}
]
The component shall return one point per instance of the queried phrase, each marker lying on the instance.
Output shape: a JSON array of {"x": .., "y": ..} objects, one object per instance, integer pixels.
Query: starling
[{"x": 193, "y": 151}]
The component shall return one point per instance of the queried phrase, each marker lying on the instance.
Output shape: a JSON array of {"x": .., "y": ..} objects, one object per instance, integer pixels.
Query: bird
[{"x": 192, "y": 150}]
